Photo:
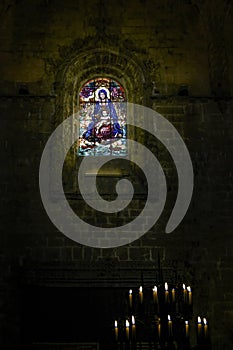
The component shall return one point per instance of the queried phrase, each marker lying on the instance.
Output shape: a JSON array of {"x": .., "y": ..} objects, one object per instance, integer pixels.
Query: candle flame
[
  {"x": 127, "y": 323},
  {"x": 189, "y": 289},
  {"x": 115, "y": 324},
  {"x": 155, "y": 289},
  {"x": 199, "y": 319},
  {"x": 140, "y": 289},
  {"x": 169, "y": 318},
  {"x": 166, "y": 286},
  {"x": 130, "y": 291},
  {"x": 187, "y": 322},
  {"x": 205, "y": 321},
  {"x": 184, "y": 286},
  {"x": 133, "y": 320}
]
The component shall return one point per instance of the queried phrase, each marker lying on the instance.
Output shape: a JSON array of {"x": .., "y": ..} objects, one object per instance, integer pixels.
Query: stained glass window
[{"x": 102, "y": 118}]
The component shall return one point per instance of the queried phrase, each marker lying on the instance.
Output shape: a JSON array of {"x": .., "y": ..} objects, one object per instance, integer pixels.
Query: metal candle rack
[{"x": 160, "y": 316}]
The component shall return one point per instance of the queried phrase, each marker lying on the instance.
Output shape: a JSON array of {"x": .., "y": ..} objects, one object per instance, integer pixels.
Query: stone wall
[{"x": 47, "y": 50}]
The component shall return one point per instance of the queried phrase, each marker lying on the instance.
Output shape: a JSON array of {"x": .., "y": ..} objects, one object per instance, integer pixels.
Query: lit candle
[
  {"x": 189, "y": 295},
  {"x": 185, "y": 293},
  {"x": 159, "y": 328},
  {"x": 173, "y": 295},
  {"x": 169, "y": 325},
  {"x": 130, "y": 298},
  {"x": 155, "y": 294},
  {"x": 140, "y": 294},
  {"x": 116, "y": 331},
  {"x": 127, "y": 329},
  {"x": 199, "y": 326},
  {"x": 166, "y": 292},
  {"x": 133, "y": 328},
  {"x": 187, "y": 328},
  {"x": 205, "y": 327}
]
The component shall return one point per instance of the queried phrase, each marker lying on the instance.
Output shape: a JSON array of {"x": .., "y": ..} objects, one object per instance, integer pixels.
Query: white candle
[
  {"x": 155, "y": 294},
  {"x": 185, "y": 293},
  {"x": 133, "y": 327},
  {"x": 116, "y": 331},
  {"x": 166, "y": 293},
  {"x": 127, "y": 329},
  {"x": 130, "y": 298},
  {"x": 187, "y": 328},
  {"x": 159, "y": 328},
  {"x": 189, "y": 295},
  {"x": 173, "y": 295},
  {"x": 199, "y": 326},
  {"x": 169, "y": 325},
  {"x": 205, "y": 327},
  {"x": 141, "y": 294}
]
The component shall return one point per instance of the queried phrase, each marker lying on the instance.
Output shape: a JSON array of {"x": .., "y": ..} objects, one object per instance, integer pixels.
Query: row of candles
[
  {"x": 160, "y": 314},
  {"x": 202, "y": 328},
  {"x": 187, "y": 294}
]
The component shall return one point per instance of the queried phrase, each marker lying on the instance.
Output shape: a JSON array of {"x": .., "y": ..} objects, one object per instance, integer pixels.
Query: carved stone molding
[
  {"x": 107, "y": 273},
  {"x": 102, "y": 55}
]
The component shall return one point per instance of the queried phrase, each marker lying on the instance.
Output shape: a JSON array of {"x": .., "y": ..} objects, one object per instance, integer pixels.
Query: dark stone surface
[{"x": 47, "y": 51}]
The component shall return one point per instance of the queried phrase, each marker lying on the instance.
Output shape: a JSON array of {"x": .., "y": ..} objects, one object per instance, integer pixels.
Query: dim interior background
[{"x": 175, "y": 57}]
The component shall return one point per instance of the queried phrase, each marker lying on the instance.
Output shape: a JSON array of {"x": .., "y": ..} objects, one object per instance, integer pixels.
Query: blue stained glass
[{"x": 102, "y": 119}]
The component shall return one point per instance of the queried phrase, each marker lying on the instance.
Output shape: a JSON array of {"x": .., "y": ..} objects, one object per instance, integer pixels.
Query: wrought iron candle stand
[{"x": 158, "y": 317}]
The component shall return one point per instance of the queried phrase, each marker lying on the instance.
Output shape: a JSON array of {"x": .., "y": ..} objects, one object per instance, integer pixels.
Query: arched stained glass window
[{"x": 102, "y": 119}]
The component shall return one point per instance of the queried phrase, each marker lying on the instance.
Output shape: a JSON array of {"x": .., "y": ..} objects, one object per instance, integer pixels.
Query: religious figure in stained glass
[{"x": 102, "y": 121}]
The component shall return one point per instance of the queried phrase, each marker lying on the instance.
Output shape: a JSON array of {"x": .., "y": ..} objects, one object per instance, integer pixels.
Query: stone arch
[
  {"x": 78, "y": 65},
  {"x": 101, "y": 62}
]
